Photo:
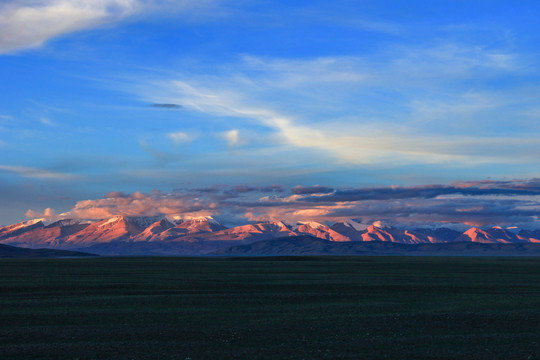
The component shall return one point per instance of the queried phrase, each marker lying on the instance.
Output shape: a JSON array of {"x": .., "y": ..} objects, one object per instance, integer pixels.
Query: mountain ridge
[{"x": 200, "y": 235}]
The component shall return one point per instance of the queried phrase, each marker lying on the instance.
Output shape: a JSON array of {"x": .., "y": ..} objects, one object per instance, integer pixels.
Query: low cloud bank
[{"x": 481, "y": 203}]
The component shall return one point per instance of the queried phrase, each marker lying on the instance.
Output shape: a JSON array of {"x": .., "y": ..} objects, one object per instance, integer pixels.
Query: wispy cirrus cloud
[
  {"x": 315, "y": 189},
  {"x": 46, "y": 121},
  {"x": 412, "y": 107}
]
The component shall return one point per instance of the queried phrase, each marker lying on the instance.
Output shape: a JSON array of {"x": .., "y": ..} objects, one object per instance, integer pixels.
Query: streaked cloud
[
  {"x": 332, "y": 105},
  {"x": 531, "y": 187},
  {"x": 315, "y": 189}
]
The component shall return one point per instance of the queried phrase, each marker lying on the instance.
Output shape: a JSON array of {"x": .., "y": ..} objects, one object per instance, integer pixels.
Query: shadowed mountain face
[
  {"x": 7, "y": 251},
  {"x": 124, "y": 235},
  {"x": 308, "y": 245}
]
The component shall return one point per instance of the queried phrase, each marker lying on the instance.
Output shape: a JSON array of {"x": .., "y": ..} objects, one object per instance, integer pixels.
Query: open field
[{"x": 270, "y": 308}]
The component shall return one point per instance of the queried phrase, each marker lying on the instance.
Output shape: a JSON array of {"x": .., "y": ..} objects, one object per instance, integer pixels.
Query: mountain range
[{"x": 129, "y": 235}]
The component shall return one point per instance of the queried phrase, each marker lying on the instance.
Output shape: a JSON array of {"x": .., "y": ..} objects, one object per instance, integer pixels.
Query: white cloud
[
  {"x": 231, "y": 137},
  {"x": 48, "y": 214},
  {"x": 30, "y": 172},
  {"x": 31, "y": 23},
  {"x": 25, "y": 24},
  {"x": 179, "y": 137}
]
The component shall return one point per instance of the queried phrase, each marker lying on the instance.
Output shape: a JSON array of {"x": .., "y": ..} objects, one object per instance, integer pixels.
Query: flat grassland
[{"x": 270, "y": 308}]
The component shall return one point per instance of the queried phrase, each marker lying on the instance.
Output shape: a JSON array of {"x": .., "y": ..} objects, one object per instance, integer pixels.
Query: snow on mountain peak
[
  {"x": 143, "y": 221},
  {"x": 110, "y": 220},
  {"x": 311, "y": 224},
  {"x": 70, "y": 222},
  {"x": 140, "y": 221},
  {"x": 208, "y": 219},
  {"x": 381, "y": 224},
  {"x": 24, "y": 224},
  {"x": 279, "y": 223},
  {"x": 174, "y": 219}
]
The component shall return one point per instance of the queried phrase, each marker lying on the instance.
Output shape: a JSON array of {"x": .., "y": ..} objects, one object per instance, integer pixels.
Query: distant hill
[
  {"x": 310, "y": 245},
  {"x": 7, "y": 251}
]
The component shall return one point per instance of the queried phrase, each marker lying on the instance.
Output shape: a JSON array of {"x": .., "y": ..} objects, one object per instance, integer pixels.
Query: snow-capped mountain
[
  {"x": 116, "y": 228},
  {"x": 254, "y": 232},
  {"x": 175, "y": 232},
  {"x": 20, "y": 228},
  {"x": 182, "y": 228},
  {"x": 34, "y": 233},
  {"x": 320, "y": 231},
  {"x": 153, "y": 231},
  {"x": 492, "y": 235}
]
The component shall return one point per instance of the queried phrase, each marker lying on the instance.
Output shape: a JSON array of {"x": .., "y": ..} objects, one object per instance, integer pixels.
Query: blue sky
[{"x": 134, "y": 95}]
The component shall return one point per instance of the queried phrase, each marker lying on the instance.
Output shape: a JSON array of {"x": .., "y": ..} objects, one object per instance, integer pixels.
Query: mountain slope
[
  {"x": 20, "y": 228},
  {"x": 39, "y": 235},
  {"x": 492, "y": 235},
  {"x": 350, "y": 229},
  {"x": 254, "y": 232},
  {"x": 197, "y": 226},
  {"x": 7, "y": 251},
  {"x": 320, "y": 231},
  {"x": 112, "y": 229},
  {"x": 309, "y": 245}
]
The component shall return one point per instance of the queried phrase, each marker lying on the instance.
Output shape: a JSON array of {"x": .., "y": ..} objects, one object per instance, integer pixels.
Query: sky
[{"x": 258, "y": 110}]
